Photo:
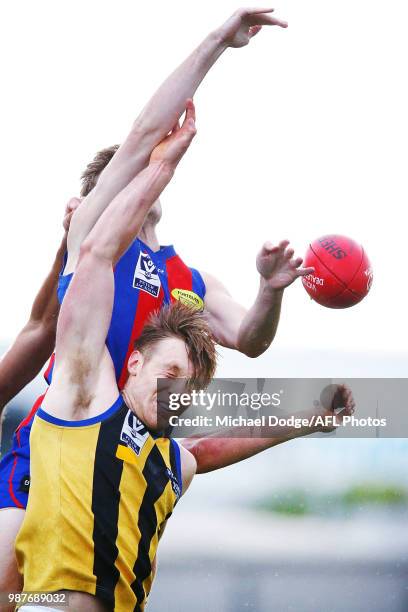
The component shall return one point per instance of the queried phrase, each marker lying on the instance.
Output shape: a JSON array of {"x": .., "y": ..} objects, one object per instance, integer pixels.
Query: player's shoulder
[{"x": 213, "y": 284}]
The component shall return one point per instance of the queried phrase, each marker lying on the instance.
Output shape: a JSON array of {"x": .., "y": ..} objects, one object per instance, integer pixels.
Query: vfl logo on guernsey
[
  {"x": 146, "y": 277},
  {"x": 189, "y": 298},
  {"x": 134, "y": 434}
]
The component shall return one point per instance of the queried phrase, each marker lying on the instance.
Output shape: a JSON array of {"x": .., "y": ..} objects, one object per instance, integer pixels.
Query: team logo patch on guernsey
[
  {"x": 189, "y": 298},
  {"x": 133, "y": 436},
  {"x": 146, "y": 277}
]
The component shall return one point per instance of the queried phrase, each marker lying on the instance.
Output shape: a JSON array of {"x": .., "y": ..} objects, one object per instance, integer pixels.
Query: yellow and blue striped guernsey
[{"x": 100, "y": 492}]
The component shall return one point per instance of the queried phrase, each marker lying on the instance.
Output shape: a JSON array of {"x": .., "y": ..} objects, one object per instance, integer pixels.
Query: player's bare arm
[
  {"x": 188, "y": 467},
  {"x": 84, "y": 372},
  {"x": 252, "y": 331},
  {"x": 35, "y": 342},
  {"x": 215, "y": 452},
  {"x": 159, "y": 116}
]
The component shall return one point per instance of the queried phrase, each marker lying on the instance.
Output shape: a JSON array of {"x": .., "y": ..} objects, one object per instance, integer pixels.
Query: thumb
[{"x": 190, "y": 112}]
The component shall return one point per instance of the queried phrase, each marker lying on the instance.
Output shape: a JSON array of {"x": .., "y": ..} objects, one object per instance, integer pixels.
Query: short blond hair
[{"x": 190, "y": 325}]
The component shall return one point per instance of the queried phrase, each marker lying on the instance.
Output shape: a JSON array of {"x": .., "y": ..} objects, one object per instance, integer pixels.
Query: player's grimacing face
[{"x": 166, "y": 359}]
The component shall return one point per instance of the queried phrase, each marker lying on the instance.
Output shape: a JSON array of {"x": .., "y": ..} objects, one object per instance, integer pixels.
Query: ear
[
  {"x": 135, "y": 363},
  {"x": 73, "y": 204}
]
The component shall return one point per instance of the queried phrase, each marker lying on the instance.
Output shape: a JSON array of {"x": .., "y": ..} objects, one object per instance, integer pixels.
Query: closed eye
[{"x": 173, "y": 372}]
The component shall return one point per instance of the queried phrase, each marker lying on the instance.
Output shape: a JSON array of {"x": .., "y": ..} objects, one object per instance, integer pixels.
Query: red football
[{"x": 343, "y": 274}]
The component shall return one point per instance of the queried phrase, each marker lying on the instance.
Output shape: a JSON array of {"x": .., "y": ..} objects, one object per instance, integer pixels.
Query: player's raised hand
[
  {"x": 337, "y": 403},
  {"x": 172, "y": 148},
  {"x": 343, "y": 400},
  {"x": 278, "y": 267},
  {"x": 245, "y": 23}
]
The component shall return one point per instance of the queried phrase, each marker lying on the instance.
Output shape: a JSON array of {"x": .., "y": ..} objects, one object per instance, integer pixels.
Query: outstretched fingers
[
  {"x": 245, "y": 12},
  {"x": 261, "y": 19},
  {"x": 347, "y": 400},
  {"x": 349, "y": 403},
  {"x": 305, "y": 271},
  {"x": 283, "y": 244},
  {"x": 269, "y": 248}
]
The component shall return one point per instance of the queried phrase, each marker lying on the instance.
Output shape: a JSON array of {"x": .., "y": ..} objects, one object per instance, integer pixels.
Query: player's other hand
[
  {"x": 173, "y": 147},
  {"x": 70, "y": 208},
  {"x": 244, "y": 24},
  {"x": 338, "y": 402},
  {"x": 278, "y": 266}
]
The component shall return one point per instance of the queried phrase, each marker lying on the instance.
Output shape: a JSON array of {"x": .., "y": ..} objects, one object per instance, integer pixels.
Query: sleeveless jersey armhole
[
  {"x": 177, "y": 459},
  {"x": 198, "y": 283}
]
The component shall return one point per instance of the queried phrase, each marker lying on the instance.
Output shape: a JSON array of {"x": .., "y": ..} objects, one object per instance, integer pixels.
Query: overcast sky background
[{"x": 302, "y": 133}]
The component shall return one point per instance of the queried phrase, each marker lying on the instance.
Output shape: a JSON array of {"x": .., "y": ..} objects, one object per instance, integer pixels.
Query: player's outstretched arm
[
  {"x": 215, "y": 452},
  {"x": 87, "y": 308},
  {"x": 252, "y": 331},
  {"x": 158, "y": 117},
  {"x": 167, "y": 103},
  {"x": 35, "y": 342}
]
